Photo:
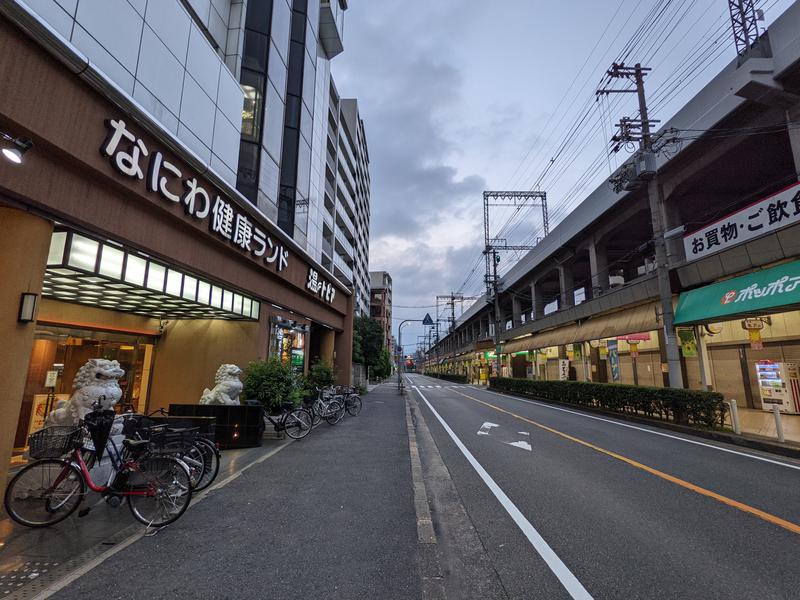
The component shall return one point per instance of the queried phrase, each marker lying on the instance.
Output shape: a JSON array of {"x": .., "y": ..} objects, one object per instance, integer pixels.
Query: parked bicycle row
[{"x": 133, "y": 458}]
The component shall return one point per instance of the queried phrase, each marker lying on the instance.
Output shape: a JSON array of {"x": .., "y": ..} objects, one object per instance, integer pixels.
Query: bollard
[
  {"x": 778, "y": 425},
  {"x": 737, "y": 429}
]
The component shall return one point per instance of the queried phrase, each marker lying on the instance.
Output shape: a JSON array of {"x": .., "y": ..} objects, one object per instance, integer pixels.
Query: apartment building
[{"x": 380, "y": 304}]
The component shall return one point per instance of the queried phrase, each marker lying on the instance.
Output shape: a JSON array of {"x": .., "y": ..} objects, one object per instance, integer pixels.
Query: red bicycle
[{"x": 156, "y": 486}]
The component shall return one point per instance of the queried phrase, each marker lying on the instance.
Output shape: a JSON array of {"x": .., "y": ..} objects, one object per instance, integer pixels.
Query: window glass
[
  {"x": 295, "y": 84},
  {"x": 289, "y": 166},
  {"x": 303, "y": 168},
  {"x": 255, "y": 51},
  {"x": 258, "y": 14},
  {"x": 277, "y": 71},
  {"x": 247, "y": 176},
  {"x": 298, "y": 28},
  {"x": 268, "y": 185},
  {"x": 274, "y": 123},
  {"x": 281, "y": 22},
  {"x": 252, "y": 86},
  {"x": 293, "y": 112}
]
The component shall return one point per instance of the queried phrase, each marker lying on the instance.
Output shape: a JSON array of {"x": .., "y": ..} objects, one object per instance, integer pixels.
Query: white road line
[
  {"x": 662, "y": 434},
  {"x": 559, "y": 569}
]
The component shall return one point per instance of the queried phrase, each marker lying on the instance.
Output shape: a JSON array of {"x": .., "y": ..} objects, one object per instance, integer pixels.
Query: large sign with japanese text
[
  {"x": 766, "y": 216},
  {"x": 319, "y": 287},
  {"x": 130, "y": 157},
  {"x": 754, "y": 293}
]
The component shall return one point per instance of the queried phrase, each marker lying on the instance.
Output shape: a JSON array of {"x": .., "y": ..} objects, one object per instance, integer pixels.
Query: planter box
[
  {"x": 236, "y": 426},
  {"x": 205, "y": 425}
]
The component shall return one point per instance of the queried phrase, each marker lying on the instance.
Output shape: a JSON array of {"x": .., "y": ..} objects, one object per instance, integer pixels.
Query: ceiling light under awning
[{"x": 104, "y": 274}]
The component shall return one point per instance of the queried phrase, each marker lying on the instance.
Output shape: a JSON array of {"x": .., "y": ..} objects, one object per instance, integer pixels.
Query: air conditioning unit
[{"x": 646, "y": 165}]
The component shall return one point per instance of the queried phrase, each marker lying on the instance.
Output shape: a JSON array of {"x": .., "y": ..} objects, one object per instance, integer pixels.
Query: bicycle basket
[
  {"x": 54, "y": 441},
  {"x": 99, "y": 423}
]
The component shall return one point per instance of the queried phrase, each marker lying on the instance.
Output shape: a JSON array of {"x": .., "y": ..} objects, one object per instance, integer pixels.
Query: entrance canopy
[
  {"x": 761, "y": 292},
  {"x": 106, "y": 275}
]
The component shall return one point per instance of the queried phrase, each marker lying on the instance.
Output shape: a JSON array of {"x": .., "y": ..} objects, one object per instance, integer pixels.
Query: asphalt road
[{"x": 598, "y": 508}]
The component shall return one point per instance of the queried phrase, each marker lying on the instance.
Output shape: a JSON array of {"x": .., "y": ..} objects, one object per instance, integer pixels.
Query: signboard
[
  {"x": 129, "y": 156},
  {"x": 427, "y": 320},
  {"x": 613, "y": 359},
  {"x": 754, "y": 292},
  {"x": 765, "y": 216},
  {"x": 319, "y": 287},
  {"x": 635, "y": 337},
  {"x": 752, "y": 324},
  {"x": 634, "y": 349},
  {"x": 563, "y": 369},
  {"x": 50, "y": 379},
  {"x": 688, "y": 343},
  {"x": 755, "y": 339}
]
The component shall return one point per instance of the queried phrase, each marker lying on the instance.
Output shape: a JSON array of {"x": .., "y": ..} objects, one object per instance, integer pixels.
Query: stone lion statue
[
  {"x": 97, "y": 380},
  {"x": 227, "y": 387}
]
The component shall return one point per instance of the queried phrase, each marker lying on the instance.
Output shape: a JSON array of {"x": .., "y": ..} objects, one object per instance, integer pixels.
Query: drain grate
[{"x": 33, "y": 577}]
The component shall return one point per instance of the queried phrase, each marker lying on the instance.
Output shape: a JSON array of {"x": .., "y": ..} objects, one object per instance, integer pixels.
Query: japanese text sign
[
  {"x": 130, "y": 157},
  {"x": 318, "y": 286},
  {"x": 771, "y": 214},
  {"x": 752, "y": 293}
]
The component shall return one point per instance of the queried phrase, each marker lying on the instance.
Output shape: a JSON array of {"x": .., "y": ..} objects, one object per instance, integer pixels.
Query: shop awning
[
  {"x": 632, "y": 320},
  {"x": 544, "y": 339},
  {"x": 761, "y": 292},
  {"x": 106, "y": 275}
]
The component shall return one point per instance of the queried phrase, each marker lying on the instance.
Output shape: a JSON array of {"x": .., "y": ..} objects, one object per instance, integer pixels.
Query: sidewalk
[
  {"x": 329, "y": 516},
  {"x": 762, "y": 423},
  {"x": 30, "y": 559}
]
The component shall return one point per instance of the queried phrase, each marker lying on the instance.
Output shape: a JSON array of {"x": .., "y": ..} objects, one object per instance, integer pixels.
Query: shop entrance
[{"x": 58, "y": 353}]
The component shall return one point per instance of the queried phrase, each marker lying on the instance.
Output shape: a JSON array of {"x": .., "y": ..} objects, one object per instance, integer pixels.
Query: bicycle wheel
[
  {"x": 194, "y": 458},
  {"x": 353, "y": 405},
  {"x": 297, "y": 423},
  {"x": 334, "y": 412},
  {"x": 165, "y": 480},
  {"x": 45, "y": 492},
  {"x": 211, "y": 459}
]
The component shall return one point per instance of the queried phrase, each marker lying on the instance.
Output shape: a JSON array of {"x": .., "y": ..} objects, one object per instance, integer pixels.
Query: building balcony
[
  {"x": 345, "y": 198},
  {"x": 344, "y": 221},
  {"x": 342, "y": 270},
  {"x": 327, "y": 248},
  {"x": 330, "y": 27},
  {"x": 343, "y": 244}
]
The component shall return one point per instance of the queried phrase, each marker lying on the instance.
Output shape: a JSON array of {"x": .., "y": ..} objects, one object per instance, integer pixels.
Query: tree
[
  {"x": 384, "y": 367},
  {"x": 358, "y": 354},
  {"x": 272, "y": 383},
  {"x": 370, "y": 333}
]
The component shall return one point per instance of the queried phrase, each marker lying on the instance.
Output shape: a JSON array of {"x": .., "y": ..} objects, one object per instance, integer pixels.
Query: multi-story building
[
  {"x": 380, "y": 304},
  {"x": 184, "y": 242}
]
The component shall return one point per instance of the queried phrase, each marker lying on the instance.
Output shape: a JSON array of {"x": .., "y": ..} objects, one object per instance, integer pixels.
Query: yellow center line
[{"x": 788, "y": 525}]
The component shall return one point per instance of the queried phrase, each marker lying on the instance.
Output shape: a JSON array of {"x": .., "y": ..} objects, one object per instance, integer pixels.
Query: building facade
[
  {"x": 125, "y": 236},
  {"x": 730, "y": 208},
  {"x": 380, "y": 305}
]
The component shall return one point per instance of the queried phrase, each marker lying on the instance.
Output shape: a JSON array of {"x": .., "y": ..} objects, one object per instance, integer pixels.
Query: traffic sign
[{"x": 427, "y": 320}]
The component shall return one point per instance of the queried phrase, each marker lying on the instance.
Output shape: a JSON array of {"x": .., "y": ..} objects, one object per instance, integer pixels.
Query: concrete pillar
[
  {"x": 327, "y": 340},
  {"x": 24, "y": 246},
  {"x": 516, "y": 311},
  {"x": 567, "y": 285},
  {"x": 343, "y": 347},
  {"x": 598, "y": 265},
  {"x": 537, "y": 301}
]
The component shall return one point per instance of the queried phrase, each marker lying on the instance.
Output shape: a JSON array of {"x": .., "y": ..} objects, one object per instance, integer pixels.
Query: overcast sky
[{"x": 460, "y": 96}]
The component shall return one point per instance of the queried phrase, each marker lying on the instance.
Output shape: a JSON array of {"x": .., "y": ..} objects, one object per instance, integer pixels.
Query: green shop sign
[{"x": 753, "y": 293}]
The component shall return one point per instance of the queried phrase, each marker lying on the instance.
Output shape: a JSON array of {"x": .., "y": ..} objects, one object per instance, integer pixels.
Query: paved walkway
[
  {"x": 330, "y": 516},
  {"x": 762, "y": 423}
]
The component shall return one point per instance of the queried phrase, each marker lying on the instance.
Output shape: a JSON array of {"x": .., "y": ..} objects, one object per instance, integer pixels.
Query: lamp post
[{"x": 400, "y": 344}]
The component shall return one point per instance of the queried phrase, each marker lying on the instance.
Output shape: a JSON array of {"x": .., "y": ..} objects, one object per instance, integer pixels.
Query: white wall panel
[
  {"x": 160, "y": 71},
  {"x": 171, "y": 23},
  {"x": 104, "y": 19}
]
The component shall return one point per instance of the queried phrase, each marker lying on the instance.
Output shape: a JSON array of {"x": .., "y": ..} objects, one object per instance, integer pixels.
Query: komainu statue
[
  {"x": 97, "y": 380},
  {"x": 227, "y": 387}
]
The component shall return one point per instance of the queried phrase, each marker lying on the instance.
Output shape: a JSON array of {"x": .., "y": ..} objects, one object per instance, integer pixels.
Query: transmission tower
[
  {"x": 745, "y": 24},
  {"x": 450, "y": 302}
]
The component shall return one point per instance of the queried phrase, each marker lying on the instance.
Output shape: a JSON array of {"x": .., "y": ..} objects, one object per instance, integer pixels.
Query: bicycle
[
  {"x": 48, "y": 490},
  {"x": 332, "y": 409},
  {"x": 209, "y": 450},
  {"x": 296, "y": 422},
  {"x": 352, "y": 401}
]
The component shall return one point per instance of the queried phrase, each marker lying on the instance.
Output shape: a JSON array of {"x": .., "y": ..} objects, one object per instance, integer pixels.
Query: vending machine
[{"x": 779, "y": 385}]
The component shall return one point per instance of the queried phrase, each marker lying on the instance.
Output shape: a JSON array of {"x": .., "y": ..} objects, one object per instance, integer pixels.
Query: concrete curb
[{"x": 752, "y": 443}]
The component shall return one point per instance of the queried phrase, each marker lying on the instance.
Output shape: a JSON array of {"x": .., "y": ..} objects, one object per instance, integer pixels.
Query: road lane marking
[
  {"x": 559, "y": 569},
  {"x": 644, "y": 429},
  {"x": 523, "y": 445},
  {"x": 770, "y": 518}
]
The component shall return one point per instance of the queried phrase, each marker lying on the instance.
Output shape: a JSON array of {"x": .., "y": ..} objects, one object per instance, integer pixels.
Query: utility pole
[{"x": 646, "y": 160}]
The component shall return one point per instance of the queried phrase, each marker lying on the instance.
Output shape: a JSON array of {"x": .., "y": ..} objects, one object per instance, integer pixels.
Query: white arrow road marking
[
  {"x": 523, "y": 445},
  {"x": 523, "y": 433},
  {"x": 486, "y": 428}
]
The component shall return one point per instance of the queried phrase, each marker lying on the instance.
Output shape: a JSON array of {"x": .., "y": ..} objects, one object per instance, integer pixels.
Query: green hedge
[
  {"x": 447, "y": 377},
  {"x": 686, "y": 407}
]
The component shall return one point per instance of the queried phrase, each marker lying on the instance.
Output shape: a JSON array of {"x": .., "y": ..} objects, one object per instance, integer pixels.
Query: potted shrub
[
  {"x": 272, "y": 383},
  {"x": 320, "y": 375}
]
